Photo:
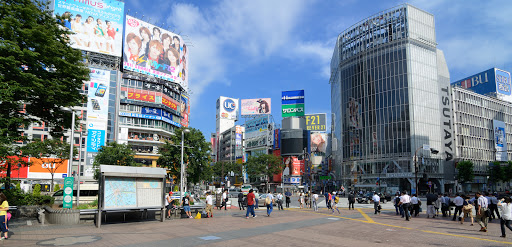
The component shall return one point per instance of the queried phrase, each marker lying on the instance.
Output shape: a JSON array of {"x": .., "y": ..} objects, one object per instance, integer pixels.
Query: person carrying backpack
[
  {"x": 334, "y": 202},
  {"x": 269, "y": 201},
  {"x": 351, "y": 200}
]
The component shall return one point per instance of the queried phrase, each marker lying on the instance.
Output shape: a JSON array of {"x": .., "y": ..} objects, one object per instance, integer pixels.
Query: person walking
[
  {"x": 445, "y": 205},
  {"x": 481, "y": 211},
  {"x": 431, "y": 200},
  {"x": 269, "y": 202},
  {"x": 168, "y": 204},
  {"x": 225, "y": 199},
  {"x": 467, "y": 210},
  {"x": 405, "y": 202},
  {"x": 257, "y": 197},
  {"x": 209, "y": 205},
  {"x": 4, "y": 221},
  {"x": 251, "y": 200},
  {"x": 506, "y": 214},
  {"x": 493, "y": 207},
  {"x": 279, "y": 198},
  {"x": 438, "y": 203},
  {"x": 315, "y": 201},
  {"x": 351, "y": 200},
  {"x": 334, "y": 202},
  {"x": 459, "y": 203},
  {"x": 328, "y": 200},
  {"x": 288, "y": 199},
  {"x": 416, "y": 203},
  {"x": 376, "y": 202},
  {"x": 301, "y": 200},
  {"x": 396, "y": 203},
  {"x": 241, "y": 200},
  {"x": 186, "y": 204}
]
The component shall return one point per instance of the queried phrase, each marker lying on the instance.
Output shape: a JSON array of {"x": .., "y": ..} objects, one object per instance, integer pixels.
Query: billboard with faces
[
  {"x": 97, "y": 26},
  {"x": 154, "y": 51}
]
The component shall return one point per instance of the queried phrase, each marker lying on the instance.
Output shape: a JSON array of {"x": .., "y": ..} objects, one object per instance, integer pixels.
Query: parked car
[
  {"x": 233, "y": 193},
  {"x": 364, "y": 198}
]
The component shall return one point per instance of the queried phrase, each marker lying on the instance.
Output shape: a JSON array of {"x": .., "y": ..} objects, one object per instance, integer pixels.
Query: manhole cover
[{"x": 65, "y": 241}]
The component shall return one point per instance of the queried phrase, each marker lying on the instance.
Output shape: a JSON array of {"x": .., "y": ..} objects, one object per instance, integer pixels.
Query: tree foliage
[
  {"x": 466, "y": 173},
  {"x": 114, "y": 154},
  {"x": 38, "y": 69},
  {"x": 507, "y": 172},
  {"x": 495, "y": 171},
  {"x": 49, "y": 148},
  {"x": 229, "y": 167},
  {"x": 263, "y": 165},
  {"x": 196, "y": 156}
]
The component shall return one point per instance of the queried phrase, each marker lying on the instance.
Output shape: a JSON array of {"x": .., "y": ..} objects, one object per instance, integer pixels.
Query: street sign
[
  {"x": 68, "y": 192},
  {"x": 325, "y": 177},
  {"x": 429, "y": 184},
  {"x": 426, "y": 147}
]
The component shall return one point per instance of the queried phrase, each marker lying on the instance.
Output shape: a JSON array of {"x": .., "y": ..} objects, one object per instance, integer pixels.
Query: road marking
[
  {"x": 209, "y": 238},
  {"x": 365, "y": 216},
  {"x": 462, "y": 236},
  {"x": 333, "y": 219}
]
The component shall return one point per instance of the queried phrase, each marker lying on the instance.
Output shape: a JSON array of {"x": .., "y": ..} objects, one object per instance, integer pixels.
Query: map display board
[{"x": 124, "y": 192}]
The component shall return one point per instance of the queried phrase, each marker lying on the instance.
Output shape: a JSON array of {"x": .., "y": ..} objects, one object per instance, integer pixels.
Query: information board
[
  {"x": 123, "y": 192},
  {"x": 68, "y": 192}
]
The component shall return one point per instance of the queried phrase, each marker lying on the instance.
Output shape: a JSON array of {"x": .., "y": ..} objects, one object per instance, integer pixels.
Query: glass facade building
[{"x": 388, "y": 81}]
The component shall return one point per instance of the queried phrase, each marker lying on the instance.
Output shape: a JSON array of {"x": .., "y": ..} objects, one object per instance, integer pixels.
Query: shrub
[
  {"x": 18, "y": 197},
  {"x": 56, "y": 188},
  {"x": 18, "y": 186},
  {"x": 37, "y": 190}
]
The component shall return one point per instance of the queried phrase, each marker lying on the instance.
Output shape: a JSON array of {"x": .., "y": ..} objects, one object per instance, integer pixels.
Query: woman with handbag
[
  {"x": 467, "y": 210},
  {"x": 4, "y": 224}
]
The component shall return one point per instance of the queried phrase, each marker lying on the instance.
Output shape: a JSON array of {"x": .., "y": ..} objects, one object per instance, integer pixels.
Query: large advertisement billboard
[
  {"x": 500, "y": 140},
  {"x": 185, "y": 110},
  {"x": 255, "y": 106},
  {"x": 292, "y": 97},
  {"x": 490, "y": 81},
  {"x": 318, "y": 142},
  {"x": 354, "y": 114},
  {"x": 228, "y": 108},
  {"x": 255, "y": 127},
  {"x": 316, "y": 122},
  {"x": 295, "y": 165},
  {"x": 154, "y": 51},
  {"x": 97, "y": 26},
  {"x": 294, "y": 110},
  {"x": 43, "y": 168}
]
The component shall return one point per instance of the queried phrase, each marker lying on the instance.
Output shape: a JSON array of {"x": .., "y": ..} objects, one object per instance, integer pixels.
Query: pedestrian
[
  {"x": 481, "y": 211},
  {"x": 405, "y": 202},
  {"x": 493, "y": 207},
  {"x": 168, "y": 204},
  {"x": 225, "y": 199},
  {"x": 241, "y": 200},
  {"x": 288, "y": 195},
  {"x": 431, "y": 200},
  {"x": 445, "y": 205},
  {"x": 351, "y": 200},
  {"x": 415, "y": 202},
  {"x": 459, "y": 203},
  {"x": 186, "y": 204},
  {"x": 251, "y": 200},
  {"x": 279, "y": 198},
  {"x": 334, "y": 202},
  {"x": 269, "y": 202},
  {"x": 467, "y": 210},
  {"x": 301, "y": 200},
  {"x": 376, "y": 202},
  {"x": 506, "y": 214},
  {"x": 257, "y": 198},
  {"x": 209, "y": 205},
  {"x": 438, "y": 203},
  {"x": 4, "y": 220},
  {"x": 315, "y": 201},
  {"x": 396, "y": 203},
  {"x": 328, "y": 200}
]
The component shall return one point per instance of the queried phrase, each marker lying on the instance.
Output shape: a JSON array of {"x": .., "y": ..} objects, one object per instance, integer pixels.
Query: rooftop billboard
[
  {"x": 228, "y": 108},
  {"x": 97, "y": 26},
  {"x": 491, "y": 81},
  {"x": 154, "y": 51},
  {"x": 255, "y": 106},
  {"x": 316, "y": 122}
]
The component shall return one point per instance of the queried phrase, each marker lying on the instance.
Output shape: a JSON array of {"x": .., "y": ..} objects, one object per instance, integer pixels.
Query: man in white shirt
[
  {"x": 209, "y": 205},
  {"x": 279, "y": 198},
  {"x": 458, "y": 201},
  {"x": 376, "y": 202},
  {"x": 315, "y": 201},
  {"x": 405, "y": 202},
  {"x": 481, "y": 211},
  {"x": 225, "y": 200},
  {"x": 269, "y": 201},
  {"x": 493, "y": 207},
  {"x": 415, "y": 204}
]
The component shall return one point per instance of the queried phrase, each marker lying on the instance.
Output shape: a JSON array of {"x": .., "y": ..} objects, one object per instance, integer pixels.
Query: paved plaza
[{"x": 291, "y": 227}]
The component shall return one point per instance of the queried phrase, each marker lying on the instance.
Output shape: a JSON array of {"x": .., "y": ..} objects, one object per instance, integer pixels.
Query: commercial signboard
[
  {"x": 153, "y": 51},
  {"x": 228, "y": 108},
  {"x": 295, "y": 165},
  {"x": 277, "y": 139},
  {"x": 490, "y": 81},
  {"x": 42, "y": 168},
  {"x": 500, "y": 140},
  {"x": 255, "y": 106},
  {"x": 354, "y": 114},
  {"x": 292, "y": 97},
  {"x": 292, "y": 180},
  {"x": 296, "y": 110},
  {"x": 67, "y": 201},
  {"x": 185, "y": 110},
  {"x": 318, "y": 142},
  {"x": 255, "y": 127},
  {"x": 316, "y": 122},
  {"x": 97, "y": 25},
  {"x": 20, "y": 171}
]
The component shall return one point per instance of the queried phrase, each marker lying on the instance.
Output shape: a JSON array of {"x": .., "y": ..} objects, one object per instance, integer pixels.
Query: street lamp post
[
  {"x": 79, "y": 167},
  {"x": 71, "y": 142},
  {"x": 182, "y": 169},
  {"x": 434, "y": 151}
]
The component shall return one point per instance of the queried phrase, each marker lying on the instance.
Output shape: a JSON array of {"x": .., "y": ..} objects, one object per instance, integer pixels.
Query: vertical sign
[
  {"x": 500, "y": 142},
  {"x": 68, "y": 192}
]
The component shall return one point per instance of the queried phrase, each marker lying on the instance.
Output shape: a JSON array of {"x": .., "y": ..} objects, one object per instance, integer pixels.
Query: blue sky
[{"x": 256, "y": 49}]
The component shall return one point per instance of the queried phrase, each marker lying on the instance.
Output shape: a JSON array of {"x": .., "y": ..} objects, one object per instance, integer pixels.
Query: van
[{"x": 88, "y": 194}]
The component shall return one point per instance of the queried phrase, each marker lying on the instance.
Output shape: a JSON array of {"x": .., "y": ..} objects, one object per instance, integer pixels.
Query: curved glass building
[{"x": 390, "y": 100}]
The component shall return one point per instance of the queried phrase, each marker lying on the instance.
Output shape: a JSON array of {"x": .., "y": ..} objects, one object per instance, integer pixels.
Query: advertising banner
[
  {"x": 67, "y": 201},
  {"x": 255, "y": 106},
  {"x": 293, "y": 110},
  {"x": 154, "y": 51},
  {"x": 500, "y": 141},
  {"x": 292, "y": 97},
  {"x": 20, "y": 171},
  {"x": 354, "y": 114},
  {"x": 228, "y": 108},
  {"x": 277, "y": 139},
  {"x": 185, "y": 110},
  {"x": 318, "y": 142},
  {"x": 256, "y": 127},
  {"x": 490, "y": 81},
  {"x": 42, "y": 168},
  {"x": 316, "y": 122},
  {"x": 98, "y": 94},
  {"x": 97, "y": 26},
  {"x": 296, "y": 166}
]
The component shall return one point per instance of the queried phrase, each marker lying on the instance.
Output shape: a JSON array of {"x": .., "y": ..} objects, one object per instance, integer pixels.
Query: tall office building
[{"x": 390, "y": 102}]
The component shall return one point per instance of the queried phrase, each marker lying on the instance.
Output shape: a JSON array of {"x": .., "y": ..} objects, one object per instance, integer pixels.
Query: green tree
[
  {"x": 196, "y": 156},
  {"x": 114, "y": 154},
  {"x": 507, "y": 172},
  {"x": 263, "y": 165},
  {"x": 465, "y": 172},
  {"x": 37, "y": 190},
  {"x": 496, "y": 173},
  {"x": 54, "y": 150},
  {"x": 39, "y": 72},
  {"x": 11, "y": 159}
]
